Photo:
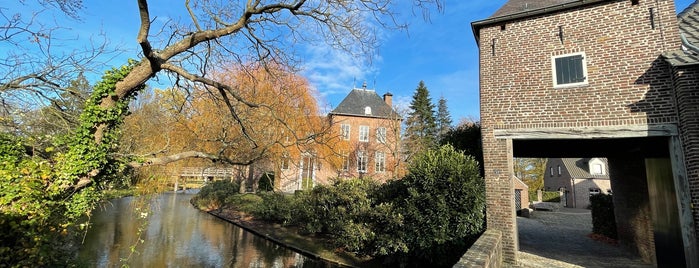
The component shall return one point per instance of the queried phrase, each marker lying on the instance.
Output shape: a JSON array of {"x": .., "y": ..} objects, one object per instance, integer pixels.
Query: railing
[{"x": 206, "y": 172}]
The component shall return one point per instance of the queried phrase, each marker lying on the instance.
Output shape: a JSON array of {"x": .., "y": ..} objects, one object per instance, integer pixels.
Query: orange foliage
[{"x": 272, "y": 113}]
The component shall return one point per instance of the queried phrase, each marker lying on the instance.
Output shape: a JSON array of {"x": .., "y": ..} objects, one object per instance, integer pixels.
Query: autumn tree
[
  {"x": 421, "y": 127},
  {"x": 197, "y": 123},
  {"x": 531, "y": 171}
]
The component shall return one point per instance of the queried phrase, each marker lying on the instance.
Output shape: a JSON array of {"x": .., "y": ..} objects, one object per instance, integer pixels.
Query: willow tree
[{"x": 178, "y": 123}]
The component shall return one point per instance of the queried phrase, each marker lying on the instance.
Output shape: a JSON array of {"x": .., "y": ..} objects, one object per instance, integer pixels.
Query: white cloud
[{"x": 332, "y": 71}]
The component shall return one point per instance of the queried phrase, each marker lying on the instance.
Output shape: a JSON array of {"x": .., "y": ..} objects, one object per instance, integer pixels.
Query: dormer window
[
  {"x": 596, "y": 167},
  {"x": 367, "y": 110}
]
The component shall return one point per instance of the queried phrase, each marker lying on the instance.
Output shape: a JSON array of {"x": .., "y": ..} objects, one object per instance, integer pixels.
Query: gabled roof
[
  {"x": 579, "y": 168},
  {"x": 688, "y": 21},
  {"x": 358, "y": 99}
]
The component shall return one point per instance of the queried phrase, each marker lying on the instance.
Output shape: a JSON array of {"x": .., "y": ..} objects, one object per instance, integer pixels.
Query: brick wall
[
  {"x": 628, "y": 83},
  {"x": 485, "y": 253},
  {"x": 632, "y": 207},
  {"x": 687, "y": 94},
  {"x": 324, "y": 171},
  {"x": 391, "y": 148}
]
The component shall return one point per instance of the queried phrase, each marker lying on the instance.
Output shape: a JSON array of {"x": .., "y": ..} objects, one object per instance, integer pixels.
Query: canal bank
[{"x": 314, "y": 246}]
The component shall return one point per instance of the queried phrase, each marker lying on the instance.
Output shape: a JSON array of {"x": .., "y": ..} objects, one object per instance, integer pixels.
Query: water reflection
[{"x": 176, "y": 235}]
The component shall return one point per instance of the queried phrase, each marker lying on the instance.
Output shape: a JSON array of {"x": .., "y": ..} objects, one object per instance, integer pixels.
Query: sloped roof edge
[
  {"x": 688, "y": 54},
  {"x": 477, "y": 25}
]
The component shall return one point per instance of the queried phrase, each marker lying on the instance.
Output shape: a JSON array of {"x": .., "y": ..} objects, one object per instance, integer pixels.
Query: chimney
[{"x": 388, "y": 99}]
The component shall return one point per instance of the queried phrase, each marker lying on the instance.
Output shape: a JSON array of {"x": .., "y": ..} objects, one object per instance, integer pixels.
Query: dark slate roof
[
  {"x": 358, "y": 99},
  {"x": 580, "y": 169},
  {"x": 519, "y": 6},
  {"x": 688, "y": 21}
]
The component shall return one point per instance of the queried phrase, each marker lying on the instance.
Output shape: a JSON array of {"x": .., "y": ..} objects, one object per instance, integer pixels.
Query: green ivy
[{"x": 39, "y": 207}]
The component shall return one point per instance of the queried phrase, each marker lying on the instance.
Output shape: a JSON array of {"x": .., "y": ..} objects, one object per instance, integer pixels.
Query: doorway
[{"x": 645, "y": 199}]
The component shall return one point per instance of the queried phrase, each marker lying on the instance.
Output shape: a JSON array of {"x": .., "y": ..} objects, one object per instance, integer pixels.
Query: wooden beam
[
  {"x": 631, "y": 131},
  {"x": 684, "y": 202}
]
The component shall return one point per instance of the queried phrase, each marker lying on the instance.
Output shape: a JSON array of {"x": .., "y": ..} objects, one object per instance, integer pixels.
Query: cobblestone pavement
[{"x": 560, "y": 239}]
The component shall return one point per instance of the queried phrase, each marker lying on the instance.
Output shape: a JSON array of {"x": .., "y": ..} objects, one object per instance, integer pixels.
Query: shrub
[
  {"x": 213, "y": 195},
  {"x": 244, "y": 202},
  {"x": 275, "y": 207},
  {"x": 603, "y": 221},
  {"x": 550, "y": 196},
  {"x": 442, "y": 203},
  {"x": 328, "y": 209}
]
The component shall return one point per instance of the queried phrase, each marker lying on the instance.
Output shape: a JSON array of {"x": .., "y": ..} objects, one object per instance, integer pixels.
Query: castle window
[
  {"x": 569, "y": 70},
  {"x": 380, "y": 162},
  {"x": 361, "y": 162},
  {"x": 345, "y": 162},
  {"x": 381, "y": 134},
  {"x": 285, "y": 162},
  {"x": 364, "y": 133},
  {"x": 345, "y": 131}
]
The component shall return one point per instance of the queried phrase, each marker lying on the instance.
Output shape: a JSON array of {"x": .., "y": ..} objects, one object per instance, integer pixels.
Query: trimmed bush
[
  {"x": 550, "y": 196},
  {"x": 603, "y": 221}
]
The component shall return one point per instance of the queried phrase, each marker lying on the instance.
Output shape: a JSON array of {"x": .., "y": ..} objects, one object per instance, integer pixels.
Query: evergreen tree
[
  {"x": 421, "y": 126},
  {"x": 443, "y": 118}
]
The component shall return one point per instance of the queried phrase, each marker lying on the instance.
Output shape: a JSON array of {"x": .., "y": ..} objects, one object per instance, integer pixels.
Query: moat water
[{"x": 167, "y": 231}]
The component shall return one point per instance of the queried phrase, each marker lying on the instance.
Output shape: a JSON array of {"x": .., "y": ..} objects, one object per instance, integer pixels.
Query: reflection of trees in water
[{"x": 176, "y": 234}]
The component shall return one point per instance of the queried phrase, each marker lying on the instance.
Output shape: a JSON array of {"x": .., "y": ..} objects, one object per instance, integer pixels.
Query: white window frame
[
  {"x": 595, "y": 171},
  {"x": 345, "y": 131},
  {"x": 380, "y": 162},
  {"x": 345, "y": 162},
  {"x": 584, "y": 69},
  {"x": 381, "y": 134},
  {"x": 559, "y": 170},
  {"x": 364, "y": 133},
  {"x": 362, "y": 162}
]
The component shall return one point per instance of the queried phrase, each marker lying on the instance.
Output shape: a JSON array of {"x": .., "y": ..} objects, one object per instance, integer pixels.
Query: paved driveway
[{"x": 562, "y": 236}]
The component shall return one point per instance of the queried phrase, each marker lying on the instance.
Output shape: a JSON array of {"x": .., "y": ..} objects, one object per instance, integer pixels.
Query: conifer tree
[
  {"x": 443, "y": 118},
  {"x": 421, "y": 126}
]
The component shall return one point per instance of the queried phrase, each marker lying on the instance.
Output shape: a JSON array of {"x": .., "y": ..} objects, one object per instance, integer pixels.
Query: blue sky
[{"x": 441, "y": 51}]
